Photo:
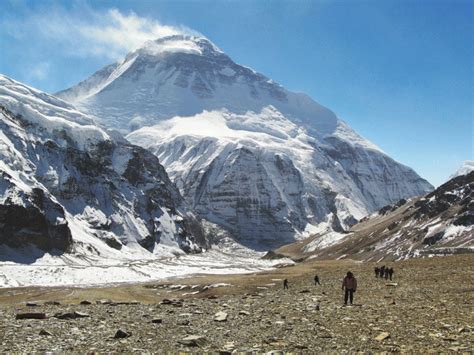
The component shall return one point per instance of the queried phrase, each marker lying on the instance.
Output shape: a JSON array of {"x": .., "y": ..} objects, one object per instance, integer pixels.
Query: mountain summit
[
  {"x": 465, "y": 169},
  {"x": 183, "y": 76},
  {"x": 267, "y": 164}
]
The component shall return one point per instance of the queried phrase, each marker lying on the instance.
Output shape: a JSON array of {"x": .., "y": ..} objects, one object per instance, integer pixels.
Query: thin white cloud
[
  {"x": 40, "y": 71},
  {"x": 87, "y": 32}
]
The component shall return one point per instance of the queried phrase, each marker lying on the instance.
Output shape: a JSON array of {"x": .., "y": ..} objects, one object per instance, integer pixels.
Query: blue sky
[{"x": 399, "y": 72}]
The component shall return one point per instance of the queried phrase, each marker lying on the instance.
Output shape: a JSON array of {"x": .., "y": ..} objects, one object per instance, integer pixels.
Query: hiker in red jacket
[{"x": 350, "y": 285}]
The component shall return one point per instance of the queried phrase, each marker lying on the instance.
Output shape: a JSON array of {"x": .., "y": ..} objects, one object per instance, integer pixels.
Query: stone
[
  {"x": 45, "y": 332},
  {"x": 229, "y": 346},
  {"x": 301, "y": 347},
  {"x": 120, "y": 334},
  {"x": 85, "y": 302},
  {"x": 193, "y": 340},
  {"x": 449, "y": 338},
  {"x": 157, "y": 321},
  {"x": 71, "y": 315},
  {"x": 325, "y": 335},
  {"x": 31, "y": 315},
  {"x": 244, "y": 313},
  {"x": 382, "y": 336},
  {"x": 52, "y": 303},
  {"x": 32, "y": 304},
  {"x": 220, "y": 317},
  {"x": 105, "y": 301}
]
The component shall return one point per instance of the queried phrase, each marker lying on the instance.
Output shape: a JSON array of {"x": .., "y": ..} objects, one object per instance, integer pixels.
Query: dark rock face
[
  {"x": 390, "y": 208},
  {"x": 457, "y": 191},
  {"x": 20, "y": 226},
  {"x": 40, "y": 222}
]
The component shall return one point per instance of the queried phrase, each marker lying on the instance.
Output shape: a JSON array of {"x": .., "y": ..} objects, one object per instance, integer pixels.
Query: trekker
[
  {"x": 316, "y": 280},
  {"x": 386, "y": 273},
  {"x": 285, "y": 284},
  {"x": 350, "y": 285},
  {"x": 382, "y": 271},
  {"x": 377, "y": 270},
  {"x": 390, "y": 273}
]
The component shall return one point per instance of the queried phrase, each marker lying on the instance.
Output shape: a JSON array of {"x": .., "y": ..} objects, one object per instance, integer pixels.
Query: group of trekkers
[
  {"x": 349, "y": 285},
  {"x": 384, "y": 272}
]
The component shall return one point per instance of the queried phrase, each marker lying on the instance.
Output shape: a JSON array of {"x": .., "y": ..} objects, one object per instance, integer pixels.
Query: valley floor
[{"x": 429, "y": 309}]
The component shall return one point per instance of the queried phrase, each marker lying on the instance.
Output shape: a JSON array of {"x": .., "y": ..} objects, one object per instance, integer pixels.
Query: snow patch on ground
[
  {"x": 325, "y": 241},
  {"x": 78, "y": 271},
  {"x": 452, "y": 231}
]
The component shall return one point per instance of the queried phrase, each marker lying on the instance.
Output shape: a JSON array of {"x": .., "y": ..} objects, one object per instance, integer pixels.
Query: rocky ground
[{"x": 427, "y": 307}]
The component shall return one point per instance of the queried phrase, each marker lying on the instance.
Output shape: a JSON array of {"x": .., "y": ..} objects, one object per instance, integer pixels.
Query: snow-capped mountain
[
  {"x": 68, "y": 186},
  {"x": 182, "y": 76},
  {"x": 465, "y": 169},
  {"x": 267, "y": 164},
  {"x": 439, "y": 223}
]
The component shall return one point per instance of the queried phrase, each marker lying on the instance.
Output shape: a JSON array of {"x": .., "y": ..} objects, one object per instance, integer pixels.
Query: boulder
[
  {"x": 31, "y": 315},
  {"x": 120, "y": 334},
  {"x": 193, "y": 340},
  {"x": 71, "y": 315},
  {"x": 382, "y": 336},
  {"x": 220, "y": 317}
]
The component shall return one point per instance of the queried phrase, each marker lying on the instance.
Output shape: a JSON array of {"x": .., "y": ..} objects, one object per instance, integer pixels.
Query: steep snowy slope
[
  {"x": 269, "y": 184},
  {"x": 442, "y": 222},
  {"x": 68, "y": 186},
  {"x": 267, "y": 164}
]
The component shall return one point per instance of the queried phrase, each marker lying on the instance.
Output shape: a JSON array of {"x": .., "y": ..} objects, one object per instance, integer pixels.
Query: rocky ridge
[{"x": 439, "y": 223}]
